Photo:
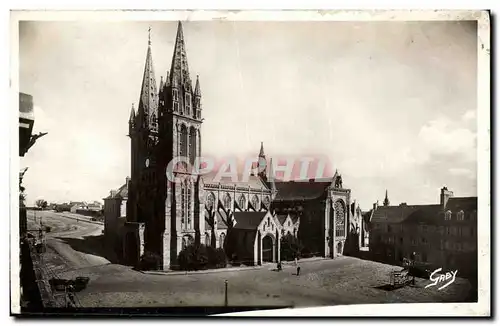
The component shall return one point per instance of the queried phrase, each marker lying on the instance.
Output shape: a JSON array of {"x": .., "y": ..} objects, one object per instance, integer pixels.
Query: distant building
[
  {"x": 441, "y": 235},
  {"x": 74, "y": 206},
  {"x": 94, "y": 206}
]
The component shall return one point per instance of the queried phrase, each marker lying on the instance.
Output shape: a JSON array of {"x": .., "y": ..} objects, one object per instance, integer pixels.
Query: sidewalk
[{"x": 269, "y": 266}]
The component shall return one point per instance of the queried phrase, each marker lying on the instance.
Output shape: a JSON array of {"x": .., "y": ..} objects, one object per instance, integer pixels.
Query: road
[
  {"x": 67, "y": 240},
  {"x": 345, "y": 280}
]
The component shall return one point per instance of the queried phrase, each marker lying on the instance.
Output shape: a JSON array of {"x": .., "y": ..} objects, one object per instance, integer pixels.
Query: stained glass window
[
  {"x": 242, "y": 202},
  {"x": 255, "y": 202},
  {"x": 210, "y": 201},
  {"x": 339, "y": 219},
  {"x": 227, "y": 201}
]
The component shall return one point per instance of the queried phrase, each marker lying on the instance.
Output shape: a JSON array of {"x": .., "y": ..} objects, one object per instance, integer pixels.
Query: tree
[
  {"x": 41, "y": 203},
  {"x": 290, "y": 247}
]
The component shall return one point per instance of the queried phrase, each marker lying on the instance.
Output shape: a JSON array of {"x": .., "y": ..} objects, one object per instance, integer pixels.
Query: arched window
[
  {"x": 184, "y": 243},
  {"x": 183, "y": 206},
  {"x": 447, "y": 215},
  {"x": 242, "y": 202},
  {"x": 210, "y": 201},
  {"x": 221, "y": 240},
  {"x": 207, "y": 239},
  {"x": 192, "y": 145},
  {"x": 183, "y": 141},
  {"x": 188, "y": 104},
  {"x": 227, "y": 201},
  {"x": 153, "y": 123},
  {"x": 460, "y": 216},
  {"x": 188, "y": 205},
  {"x": 255, "y": 202},
  {"x": 339, "y": 219}
]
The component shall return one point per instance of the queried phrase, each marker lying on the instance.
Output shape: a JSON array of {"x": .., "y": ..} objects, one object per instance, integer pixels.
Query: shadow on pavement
[
  {"x": 93, "y": 245},
  {"x": 385, "y": 287}
]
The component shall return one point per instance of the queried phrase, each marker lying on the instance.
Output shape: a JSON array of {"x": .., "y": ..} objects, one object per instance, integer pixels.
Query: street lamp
[{"x": 225, "y": 296}]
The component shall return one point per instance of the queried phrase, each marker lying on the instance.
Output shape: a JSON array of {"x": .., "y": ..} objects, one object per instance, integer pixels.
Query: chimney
[
  {"x": 445, "y": 195},
  {"x": 375, "y": 205},
  {"x": 402, "y": 204},
  {"x": 112, "y": 193},
  {"x": 127, "y": 181}
]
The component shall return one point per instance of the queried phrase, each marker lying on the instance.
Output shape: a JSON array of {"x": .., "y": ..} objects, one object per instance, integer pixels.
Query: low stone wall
[{"x": 42, "y": 278}]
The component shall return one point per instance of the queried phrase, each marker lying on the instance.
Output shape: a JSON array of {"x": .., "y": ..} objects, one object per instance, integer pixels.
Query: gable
[{"x": 269, "y": 224}]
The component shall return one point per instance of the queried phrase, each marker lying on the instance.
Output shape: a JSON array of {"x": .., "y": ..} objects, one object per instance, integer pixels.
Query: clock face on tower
[{"x": 147, "y": 163}]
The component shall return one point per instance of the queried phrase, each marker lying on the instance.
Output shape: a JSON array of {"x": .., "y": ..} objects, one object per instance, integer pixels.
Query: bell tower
[{"x": 180, "y": 139}]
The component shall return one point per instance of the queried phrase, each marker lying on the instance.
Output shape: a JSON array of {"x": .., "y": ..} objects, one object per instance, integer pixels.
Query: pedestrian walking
[{"x": 298, "y": 270}]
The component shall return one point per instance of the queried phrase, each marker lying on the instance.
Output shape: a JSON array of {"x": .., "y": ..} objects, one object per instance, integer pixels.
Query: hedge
[{"x": 201, "y": 257}]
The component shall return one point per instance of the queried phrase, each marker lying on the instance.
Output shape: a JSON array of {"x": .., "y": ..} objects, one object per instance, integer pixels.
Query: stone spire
[
  {"x": 261, "y": 153},
  {"x": 386, "y": 200},
  {"x": 148, "y": 102},
  {"x": 161, "y": 83},
  {"x": 179, "y": 70},
  {"x": 262, "y": 163}
]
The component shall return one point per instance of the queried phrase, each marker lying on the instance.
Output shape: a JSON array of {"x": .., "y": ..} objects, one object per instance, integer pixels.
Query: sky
[{"x": 392, "y": 105}]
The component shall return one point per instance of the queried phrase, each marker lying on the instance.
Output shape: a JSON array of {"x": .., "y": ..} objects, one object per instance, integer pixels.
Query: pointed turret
[
  {"x": 161, "y": 83},
  {"x": 167, "y": 80},
  {"x": 148, "y": 103},
  {"x": 179, "y": 70},
  {"x": 131, "y": 119},
  {"x": 271, "y": 177},
  {"x": 197, "y": 90},
  {"x": 386, "y": 200}
]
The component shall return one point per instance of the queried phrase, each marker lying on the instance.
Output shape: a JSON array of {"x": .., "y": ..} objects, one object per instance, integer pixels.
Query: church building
[{"x": 244, "y": 218}]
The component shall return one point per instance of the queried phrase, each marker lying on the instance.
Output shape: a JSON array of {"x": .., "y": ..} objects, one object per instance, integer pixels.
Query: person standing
[{"x": 298, "y": 270}]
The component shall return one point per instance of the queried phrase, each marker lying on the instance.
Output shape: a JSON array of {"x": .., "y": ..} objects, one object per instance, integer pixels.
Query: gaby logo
[{"x": 442, "y": 278}]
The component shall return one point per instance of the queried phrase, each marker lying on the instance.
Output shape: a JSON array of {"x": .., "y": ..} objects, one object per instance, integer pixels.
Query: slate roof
[
  {"x": 420, "y": 214},
  {"x": 300, "y": 190},
  {"x": 248, "y": 220},
  {"x": 282, "y": 218},
  {"x": 220, "y": 217},
  {"x": 426, "y": 214},
  {"x": 253, "y": 181},
  {"x": 455, "y": 204},
  {"x": 394, "y": 214},
  {"x": 367, "y": 216}
]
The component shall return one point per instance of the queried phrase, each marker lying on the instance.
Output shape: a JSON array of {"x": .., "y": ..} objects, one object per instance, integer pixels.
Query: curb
[{"x": 208, "y": 271}]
